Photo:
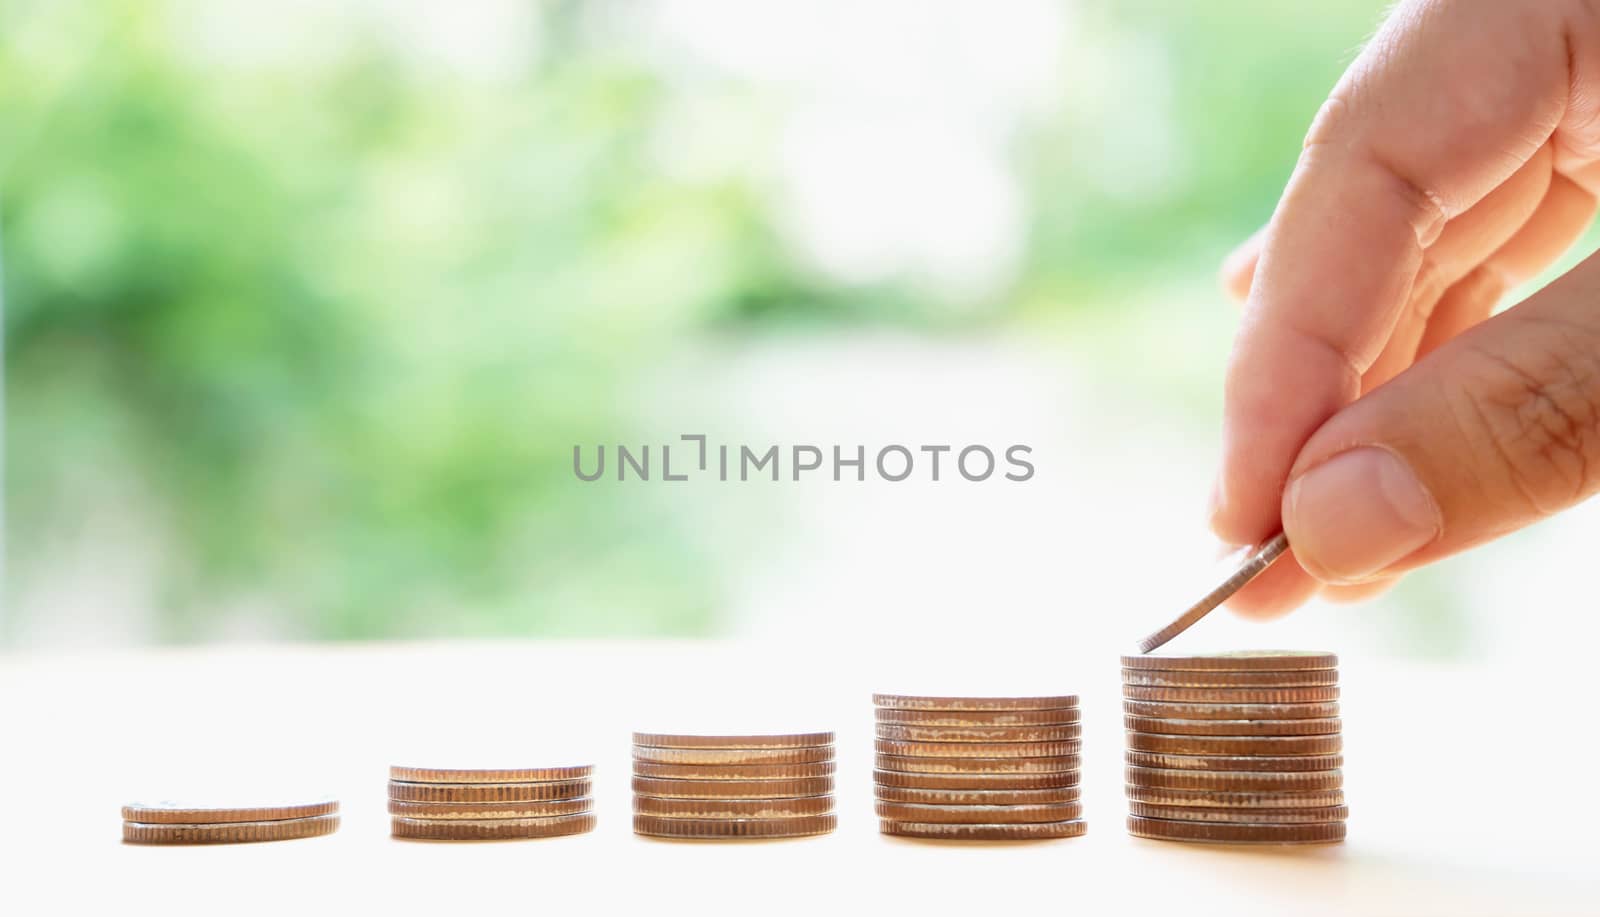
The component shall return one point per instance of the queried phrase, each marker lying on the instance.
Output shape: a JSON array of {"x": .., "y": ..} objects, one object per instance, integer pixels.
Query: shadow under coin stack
[
  {"x": 978, "y": 768},
  {"x": 729, "y": 787},
  {"x": 1234, "y": 748},
  {"x": 174, "y": 823},
  {"x": 481, "y": 805}
]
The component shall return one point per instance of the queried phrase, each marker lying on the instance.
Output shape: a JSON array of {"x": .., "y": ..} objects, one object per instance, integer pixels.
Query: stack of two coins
[
  {"x": 473, "y": 805},
  {"x": 719, "y": 787},
  {"x": 978, "y": 768},
  {"x": 178, "y": 823},
  {"x": 1234, "y": 748}
]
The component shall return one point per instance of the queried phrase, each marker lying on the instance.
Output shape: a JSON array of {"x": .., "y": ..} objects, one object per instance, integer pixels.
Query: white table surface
[{"x": 1471, "y": 791}]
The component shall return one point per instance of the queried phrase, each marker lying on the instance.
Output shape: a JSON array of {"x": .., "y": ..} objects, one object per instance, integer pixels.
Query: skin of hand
[{"x": 1374, "y": 403}]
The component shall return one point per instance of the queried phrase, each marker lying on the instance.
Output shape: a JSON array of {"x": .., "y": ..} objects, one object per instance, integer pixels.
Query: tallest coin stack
[{"x": 1234, "y": 748}]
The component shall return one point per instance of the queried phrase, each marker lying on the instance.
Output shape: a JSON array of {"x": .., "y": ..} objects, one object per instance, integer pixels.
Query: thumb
[{"x": 1492, "y": 431}]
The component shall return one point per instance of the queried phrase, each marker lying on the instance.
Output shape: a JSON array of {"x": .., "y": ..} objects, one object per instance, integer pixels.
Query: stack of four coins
[
  {"x": 978, "y": 768},
  {"x": 719, "y": 787},
  {"x": 460, "y": 805},
  {"x": 1234, "y": 748}
]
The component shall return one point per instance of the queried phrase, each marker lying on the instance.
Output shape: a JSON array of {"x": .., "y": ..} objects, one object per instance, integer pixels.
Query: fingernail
[
  {"x": 1358, "y": 513},
  {"x": 1214, "y": 502}
]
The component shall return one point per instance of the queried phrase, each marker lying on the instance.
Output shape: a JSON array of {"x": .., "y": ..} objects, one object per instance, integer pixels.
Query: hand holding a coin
[{"x": 1373, "y": 405}]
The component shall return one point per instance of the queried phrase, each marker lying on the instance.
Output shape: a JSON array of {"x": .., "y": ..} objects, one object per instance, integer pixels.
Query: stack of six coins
[
  {"x": 459, "y": 805},
  {"x": 978, "y": 768},
  {"x": 177, "y": 823},
  {"x": 718, "y": 787},
  {"x": 1234, "y": 748}
]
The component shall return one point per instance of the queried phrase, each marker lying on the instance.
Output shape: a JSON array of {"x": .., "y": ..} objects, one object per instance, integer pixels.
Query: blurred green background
[{"x": 306, "y": 304}]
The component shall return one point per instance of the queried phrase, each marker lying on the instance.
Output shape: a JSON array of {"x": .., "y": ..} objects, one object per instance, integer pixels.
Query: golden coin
[
  {"x": 1237, "y": 661},
  {"x": 974, "y": 781},
  {"x": 978, "y": 749},
  {"x": 1322, "y": 710},
  {"x": 1163, "y": 678},
  {"x": 1235, "y": 745},
  {"x": 969, "y": 704},
  {"x": 177, "y": 813},
  {"x": 979, "y": 718},
  {"x": 733, "y": 771},
  {"x": 493, "y": 829},
  {"x": 733, "y": 789},
  {"x": 1223, "y": 833},
  {"x": 798, "y": 807},
  {"x": 1232, "y": 695},
  {"x": 899, "y": 733},
  {"x": 515, "y": 775},
  {"x": 1235, "y": 762},
  {"x": 777, "y": 740},
  {"x": 979, "y": 815},
  {"x": 1303, "y": 799},
  {"x": 1279, "y": 816},
  {"x": 741, "y": 756},
  {"x": 487, "y": 792},
  {"x": 237, "y": 832},
  {"x": 928, "y": 797},
  {"x": 480, "y": 811},
  {"x": 919, "y": 765},
  {"x": 732, "y": 828},
  {"x": 1234, "y": 780},
  {"x": 1319, "y": 726},
  {"x": 1029, "y": 831}
]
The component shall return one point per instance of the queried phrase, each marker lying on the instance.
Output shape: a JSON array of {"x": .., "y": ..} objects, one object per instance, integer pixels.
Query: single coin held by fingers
[{"x": 1250, "y": 564}]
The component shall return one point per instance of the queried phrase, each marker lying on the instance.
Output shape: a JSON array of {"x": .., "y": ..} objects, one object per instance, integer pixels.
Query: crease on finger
[
  {"x": 1561, "y": 219},
  {"x": 1464, "y": 243}
]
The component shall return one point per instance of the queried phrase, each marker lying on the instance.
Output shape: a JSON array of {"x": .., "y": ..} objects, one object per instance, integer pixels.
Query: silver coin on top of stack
[
  {"x": 183, "y": 823},
  {"x": 1234, "y": 748},
  {"x": 978, "y": 768},
  {"x": 443, "y": 804},
  {"x": 733, "y": 787}
]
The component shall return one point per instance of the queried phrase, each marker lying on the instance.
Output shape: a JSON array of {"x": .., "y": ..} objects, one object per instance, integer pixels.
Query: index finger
[{"x": 1441, "y": 107}]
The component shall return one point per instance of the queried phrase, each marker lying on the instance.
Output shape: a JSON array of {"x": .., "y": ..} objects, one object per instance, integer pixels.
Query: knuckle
[{"x": 1541, "y": 415}]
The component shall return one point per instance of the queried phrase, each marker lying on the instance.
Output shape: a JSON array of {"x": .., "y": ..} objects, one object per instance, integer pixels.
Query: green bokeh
[{"x": 331, "y": 329}]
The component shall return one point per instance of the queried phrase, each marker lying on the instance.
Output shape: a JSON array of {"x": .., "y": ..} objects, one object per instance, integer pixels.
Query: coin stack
[
  {"x": 1234, "y": 748},
  {"x": 978, "y": 768},
  {"x": 722, "y": 787},
  {"x": 475, "y": 805},
  {"x": 177, "y": 823}
]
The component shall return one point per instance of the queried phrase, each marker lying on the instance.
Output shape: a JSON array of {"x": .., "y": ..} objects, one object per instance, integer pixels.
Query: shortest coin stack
[
  {"x": 978, "y": 768},
  {"x": 478, "y": 805},
  {"x": 176, "y": 823},
  {"x": 1234, "y": 748},
  {"x": 727, "y": 787}
]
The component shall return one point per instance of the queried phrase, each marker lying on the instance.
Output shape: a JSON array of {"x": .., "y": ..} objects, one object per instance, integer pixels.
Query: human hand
[{"x": 1372, "y": 404}]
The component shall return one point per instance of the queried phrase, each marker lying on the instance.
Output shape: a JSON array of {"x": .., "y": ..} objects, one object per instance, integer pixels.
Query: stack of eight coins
[
  {"x": 719, "y": 787},
  {"x": 978, "y": 768},
  {"x": 174, "y": 823},
  {"x": 456, "y": 805},
  {"x": 1234, "y": 748}
]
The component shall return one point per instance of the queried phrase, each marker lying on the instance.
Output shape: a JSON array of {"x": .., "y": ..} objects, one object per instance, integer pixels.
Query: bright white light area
[
  {"x": 892, "y": 161},
  {"x": 867, "y": 197}
]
